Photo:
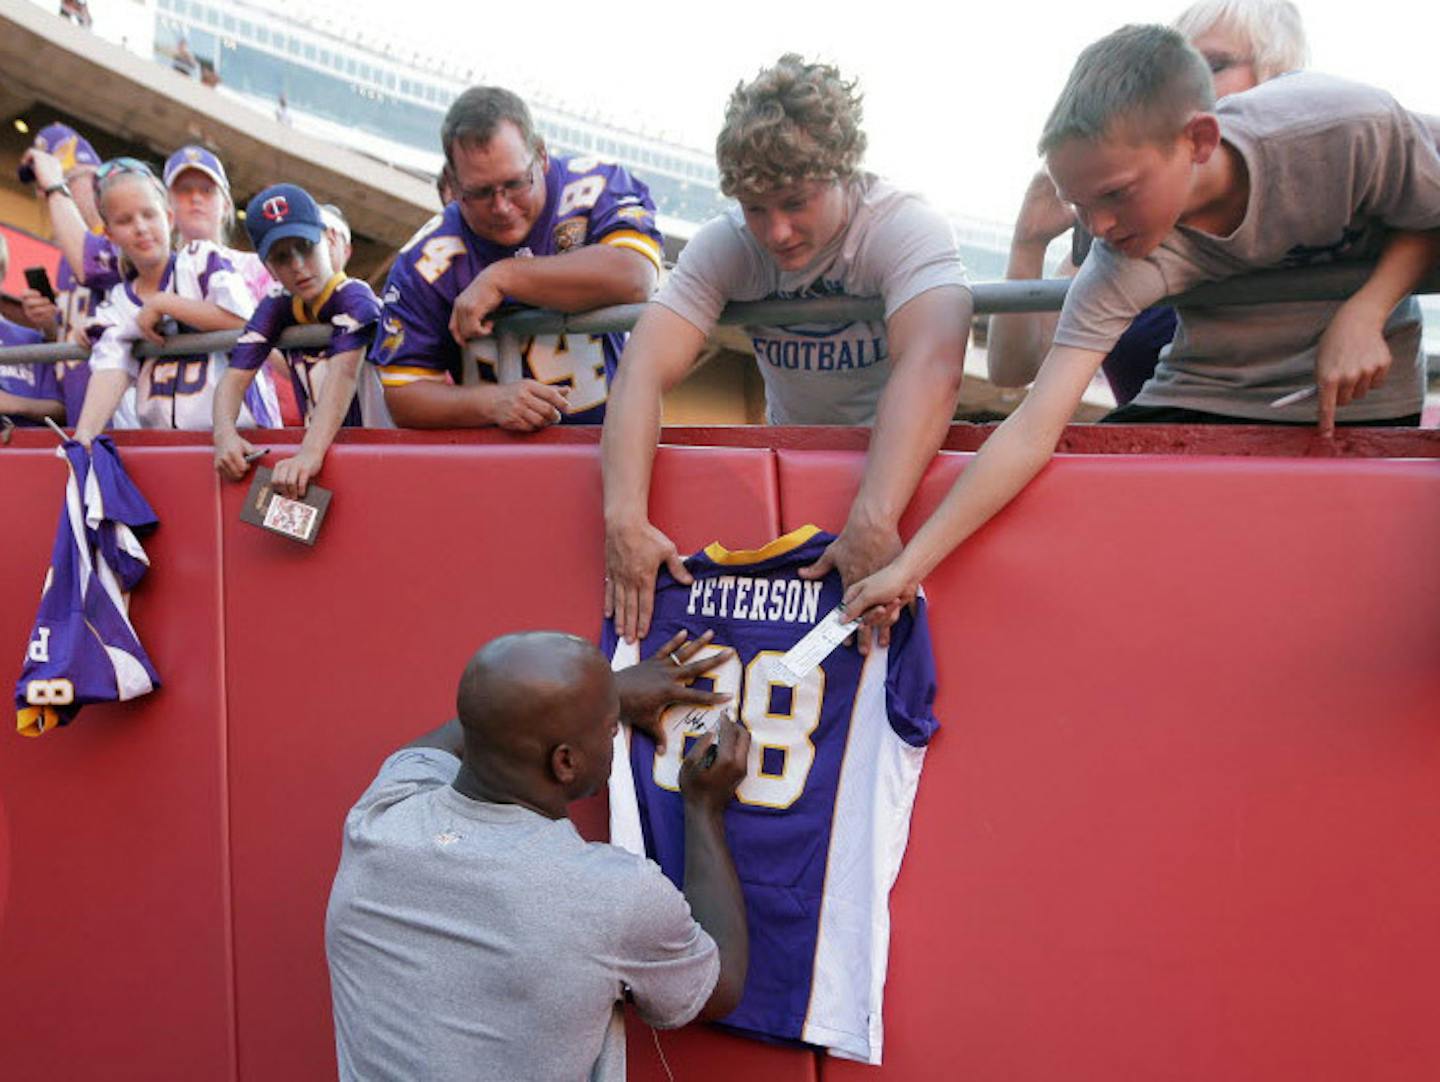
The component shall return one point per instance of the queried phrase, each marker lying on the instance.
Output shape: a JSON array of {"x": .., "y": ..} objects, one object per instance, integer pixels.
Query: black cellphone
[{"x": 38, "y": 280}]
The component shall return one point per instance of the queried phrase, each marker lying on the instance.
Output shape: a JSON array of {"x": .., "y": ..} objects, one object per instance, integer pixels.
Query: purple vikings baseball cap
[
  {"x": 71, "y": 148},
  {"x": 283, "y": 210},
  {"x": 196, "y": 157}
]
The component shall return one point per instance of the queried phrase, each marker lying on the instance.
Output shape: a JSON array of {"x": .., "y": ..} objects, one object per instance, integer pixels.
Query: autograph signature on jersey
[{"x": 699, "y": 720}]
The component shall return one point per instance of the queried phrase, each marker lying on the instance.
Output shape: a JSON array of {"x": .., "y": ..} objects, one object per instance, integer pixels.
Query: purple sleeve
[
  {"x": 102, "y": 262},
  {"x": 354, "y": 316},
  {"x": 33, "y": 381},
  {"x": 414, "y": 325},
  {"x": 624, "y": 205},
  {"x": 270, "y": 318},
  {"x": 910, "y": 679},
  {"x": 13, "y": 334}
]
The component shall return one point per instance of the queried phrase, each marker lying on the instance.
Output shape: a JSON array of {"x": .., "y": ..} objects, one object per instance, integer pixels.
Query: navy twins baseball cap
[{"x": 283, "y": 210}]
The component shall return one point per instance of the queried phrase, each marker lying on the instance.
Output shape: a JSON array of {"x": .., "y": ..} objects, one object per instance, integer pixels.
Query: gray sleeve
[
  {"x": 409, "y": 770},
  {"x": 1401, "y": 168},
  {"x": 1108, "y": 292},
  {"x": 713, "y": 270},
  {"x": 916, "y": 252},
  {"x": 669, "y": 963}
]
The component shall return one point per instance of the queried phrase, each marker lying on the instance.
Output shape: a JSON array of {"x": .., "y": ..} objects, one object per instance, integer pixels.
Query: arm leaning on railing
[{"x": 1334, "y": 281}]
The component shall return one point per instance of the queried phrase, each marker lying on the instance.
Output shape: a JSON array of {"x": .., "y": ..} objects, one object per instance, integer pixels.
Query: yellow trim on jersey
[
  {"x": 306, "y": 314},
  {"x": 781, "y": 545},
  {"x": 399, "y": 375},
  {"x": 639, "y": 242}
]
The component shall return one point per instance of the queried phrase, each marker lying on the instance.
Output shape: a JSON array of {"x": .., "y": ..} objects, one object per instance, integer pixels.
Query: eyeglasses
[{"x": 511, "y": 189}]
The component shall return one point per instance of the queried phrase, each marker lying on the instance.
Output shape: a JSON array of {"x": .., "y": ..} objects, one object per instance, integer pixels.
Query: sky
[{"x": 955, "y": 95}]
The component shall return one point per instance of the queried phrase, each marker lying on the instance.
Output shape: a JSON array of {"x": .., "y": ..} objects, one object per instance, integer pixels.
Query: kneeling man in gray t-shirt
[{"x": 472, "y": 933}]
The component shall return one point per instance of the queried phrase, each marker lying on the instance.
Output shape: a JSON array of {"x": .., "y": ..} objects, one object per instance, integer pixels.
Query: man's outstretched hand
[
  {"x": 857, "y": 554},
  {"x": 665, "y": 678},
  {"x": 633, "y": 553}
]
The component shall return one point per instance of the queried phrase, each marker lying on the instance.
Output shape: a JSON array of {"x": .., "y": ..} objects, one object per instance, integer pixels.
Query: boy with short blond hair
[{"x": 1304, "y": 169}]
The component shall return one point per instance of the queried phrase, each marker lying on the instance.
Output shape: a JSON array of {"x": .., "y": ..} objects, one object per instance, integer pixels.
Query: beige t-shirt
[
  {"x": 894, "y": 246},
  {"x": 1334, "y": 166}
]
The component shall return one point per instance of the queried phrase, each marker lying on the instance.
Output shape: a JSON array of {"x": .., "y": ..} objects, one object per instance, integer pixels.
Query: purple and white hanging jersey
[
  {"x": 82, "y": 647},
  {"x": 179, "y": 392},
  {"x": 587, "y": 201},
  {"x": 819, "y": 824}
]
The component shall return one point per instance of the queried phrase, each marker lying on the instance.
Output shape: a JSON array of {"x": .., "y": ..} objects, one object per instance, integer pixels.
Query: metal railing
[{"x": 1334, "y": 281}]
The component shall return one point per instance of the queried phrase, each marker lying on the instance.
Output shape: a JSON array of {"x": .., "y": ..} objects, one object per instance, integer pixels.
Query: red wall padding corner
[
  {"x": 1174, "y": 824},
  {"x": 115, "y": 944}
]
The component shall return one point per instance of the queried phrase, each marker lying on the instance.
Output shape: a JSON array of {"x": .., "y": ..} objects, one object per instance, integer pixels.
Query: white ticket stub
[{"x": 800, "y": 660}]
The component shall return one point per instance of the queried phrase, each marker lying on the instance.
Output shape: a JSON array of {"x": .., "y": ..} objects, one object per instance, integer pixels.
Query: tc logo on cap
[{"x": 276, "y": 208}]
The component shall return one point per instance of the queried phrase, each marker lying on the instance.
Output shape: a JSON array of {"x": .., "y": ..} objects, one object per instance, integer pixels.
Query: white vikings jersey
[{"x": 179, "y": 392}]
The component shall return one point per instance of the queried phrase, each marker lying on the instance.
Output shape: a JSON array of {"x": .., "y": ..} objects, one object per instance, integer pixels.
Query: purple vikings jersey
[
  {"x": 179, "y": 392},
  {"x": 78, "y": 304},
  {"x": 587, "y": 202},
  {"x": 348, "y": 305},
  {"x": 36, "y": 381},
  {"x": 82, "y": 647},
  {"x": 819, "y": 824}
]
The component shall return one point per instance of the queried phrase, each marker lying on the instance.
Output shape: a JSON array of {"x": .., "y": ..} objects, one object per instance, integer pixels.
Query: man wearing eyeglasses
[{"x": 526, "y": 228}]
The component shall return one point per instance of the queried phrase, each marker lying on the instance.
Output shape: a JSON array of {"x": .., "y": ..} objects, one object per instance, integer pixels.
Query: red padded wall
[
  {"x": 1175, "y": 825},
  {"x": 1170, "y": 829},
  {"x": 339, "y": 654},
  {"x": 115, "y": 945}
]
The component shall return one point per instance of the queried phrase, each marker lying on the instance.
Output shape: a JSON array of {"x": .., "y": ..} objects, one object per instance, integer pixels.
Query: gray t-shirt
[
  {"x": 893, "y": 246},
  {"x": 485, "y": 941},
  {"x": 1332, "y": 164}
]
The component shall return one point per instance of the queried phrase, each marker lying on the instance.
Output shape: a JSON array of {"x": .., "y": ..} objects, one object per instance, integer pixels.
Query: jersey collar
[
  {"x": 303, "y": 312},
  {"x": 719, "y": 554}
]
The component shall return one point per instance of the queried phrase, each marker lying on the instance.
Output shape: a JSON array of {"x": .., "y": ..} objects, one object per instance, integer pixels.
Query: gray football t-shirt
[
  {"x": 894, "y": 246},
  {"x": 485, "y": 941},
  {"x": 1333, "y": 166}
]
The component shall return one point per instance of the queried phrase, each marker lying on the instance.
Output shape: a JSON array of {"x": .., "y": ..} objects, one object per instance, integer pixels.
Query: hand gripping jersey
[
  {"x": 179, "y": 392},
  {"x": 349, "y": 306},
  {"x": 82, "y": 648},
  {"x": 586, "y": 202},
  {"x": 819, "y": 824}
]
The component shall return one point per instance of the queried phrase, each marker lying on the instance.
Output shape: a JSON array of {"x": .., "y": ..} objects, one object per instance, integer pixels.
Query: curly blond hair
[{"x": 794, "y": 121}]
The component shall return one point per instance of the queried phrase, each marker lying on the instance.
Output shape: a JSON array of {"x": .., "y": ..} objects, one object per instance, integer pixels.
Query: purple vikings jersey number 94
[
  {"x": 819, "y": 824},
  {"x": 587, "y": 202}
]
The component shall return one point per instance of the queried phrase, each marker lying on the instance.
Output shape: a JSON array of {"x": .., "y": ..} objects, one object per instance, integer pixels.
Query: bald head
[{"x": 523, "y": 695}]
